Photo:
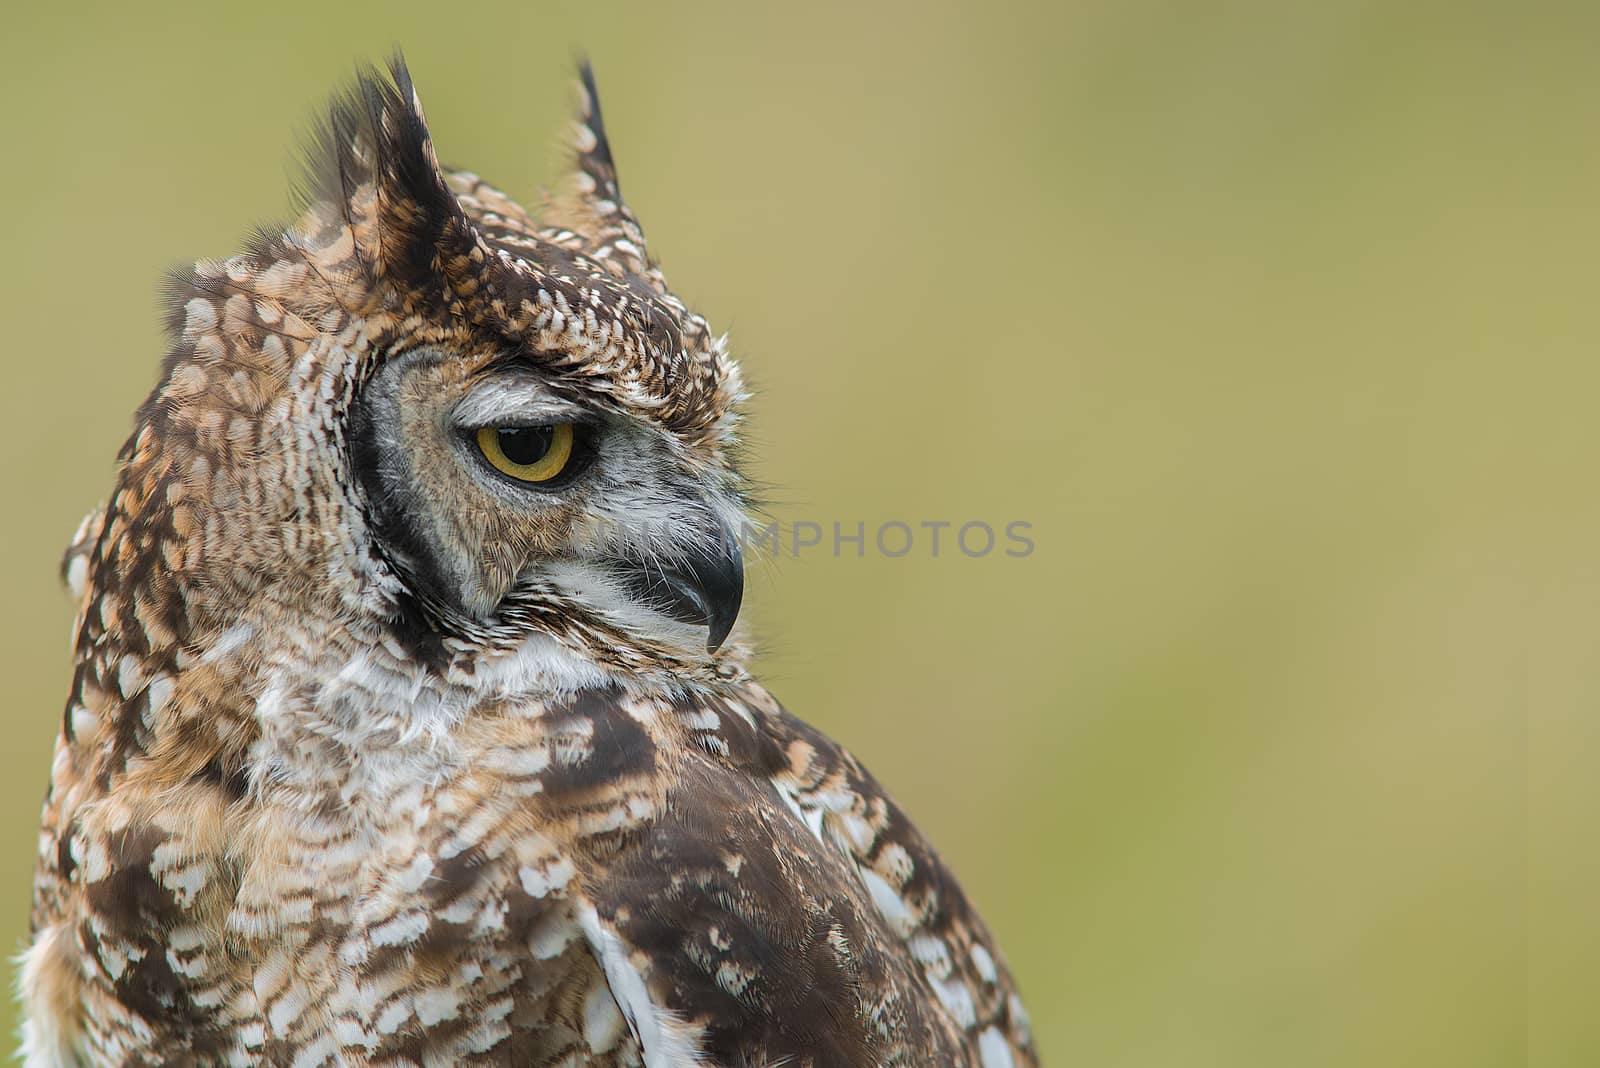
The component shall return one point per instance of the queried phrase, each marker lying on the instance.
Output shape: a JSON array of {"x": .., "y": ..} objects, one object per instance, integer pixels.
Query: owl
[{"x": 409, "y": 725}]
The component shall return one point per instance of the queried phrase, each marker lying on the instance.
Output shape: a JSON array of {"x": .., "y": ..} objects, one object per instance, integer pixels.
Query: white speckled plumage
[{"x": 373, "y": 757}]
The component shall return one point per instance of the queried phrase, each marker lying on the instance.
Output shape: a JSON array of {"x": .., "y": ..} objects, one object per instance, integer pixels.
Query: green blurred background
[{"x": 1274, "y": 320}]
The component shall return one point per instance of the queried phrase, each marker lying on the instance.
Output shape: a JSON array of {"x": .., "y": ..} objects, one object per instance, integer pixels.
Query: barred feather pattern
[{"x": 302, "y": 813}]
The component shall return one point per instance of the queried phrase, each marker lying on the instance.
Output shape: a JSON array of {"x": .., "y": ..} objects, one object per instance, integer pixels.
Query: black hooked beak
[{"x": 703, "y": 586}]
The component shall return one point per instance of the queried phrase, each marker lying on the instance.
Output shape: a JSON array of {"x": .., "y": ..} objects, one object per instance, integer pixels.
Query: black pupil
[{"x": 525, "y": 445}]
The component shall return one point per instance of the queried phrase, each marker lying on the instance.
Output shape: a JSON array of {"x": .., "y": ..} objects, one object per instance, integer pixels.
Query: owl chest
[
  {"x": 410, "y": 923},
  {"x": 408, "y": 919}
]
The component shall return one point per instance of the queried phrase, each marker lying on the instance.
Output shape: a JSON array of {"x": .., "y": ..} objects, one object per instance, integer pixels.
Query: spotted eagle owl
[{"x": 404, "y": 728}]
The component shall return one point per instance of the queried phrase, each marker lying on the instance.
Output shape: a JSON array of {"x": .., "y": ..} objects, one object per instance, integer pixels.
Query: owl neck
[{"x": 286, "y": 696}]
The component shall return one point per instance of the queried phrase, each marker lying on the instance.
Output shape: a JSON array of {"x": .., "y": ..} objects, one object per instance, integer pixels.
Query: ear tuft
[
  {"x": 591, "y": 204},
  {"x": 371, "y": 167}
]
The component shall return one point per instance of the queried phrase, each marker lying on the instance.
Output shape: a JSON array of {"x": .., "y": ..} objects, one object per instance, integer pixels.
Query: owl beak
[{"x": 700, "y": 586}]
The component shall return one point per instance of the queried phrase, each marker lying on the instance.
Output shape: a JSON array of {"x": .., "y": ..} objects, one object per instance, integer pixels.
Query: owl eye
[{"x": 528, "y": 453}]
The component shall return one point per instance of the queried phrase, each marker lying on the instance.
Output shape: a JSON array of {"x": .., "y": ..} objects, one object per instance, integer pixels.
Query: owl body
[{"x": 404, "y": 727}]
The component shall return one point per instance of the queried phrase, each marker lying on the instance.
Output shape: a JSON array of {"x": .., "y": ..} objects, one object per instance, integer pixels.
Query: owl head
[{"x": 442, "y": 421}]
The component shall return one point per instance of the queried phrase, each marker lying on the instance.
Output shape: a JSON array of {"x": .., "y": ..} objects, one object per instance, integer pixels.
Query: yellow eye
[{"x": 527, "y": 454}]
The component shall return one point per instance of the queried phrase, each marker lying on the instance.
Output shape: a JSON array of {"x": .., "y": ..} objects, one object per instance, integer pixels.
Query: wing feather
[{"x": 780, "y": 902}]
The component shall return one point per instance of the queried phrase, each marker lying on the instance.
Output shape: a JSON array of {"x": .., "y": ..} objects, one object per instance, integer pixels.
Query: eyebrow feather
[{"x": 513, "y": 399}]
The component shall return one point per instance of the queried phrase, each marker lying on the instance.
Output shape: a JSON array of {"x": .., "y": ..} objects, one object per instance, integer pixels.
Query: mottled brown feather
[{"x": 303, "y": 811}]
